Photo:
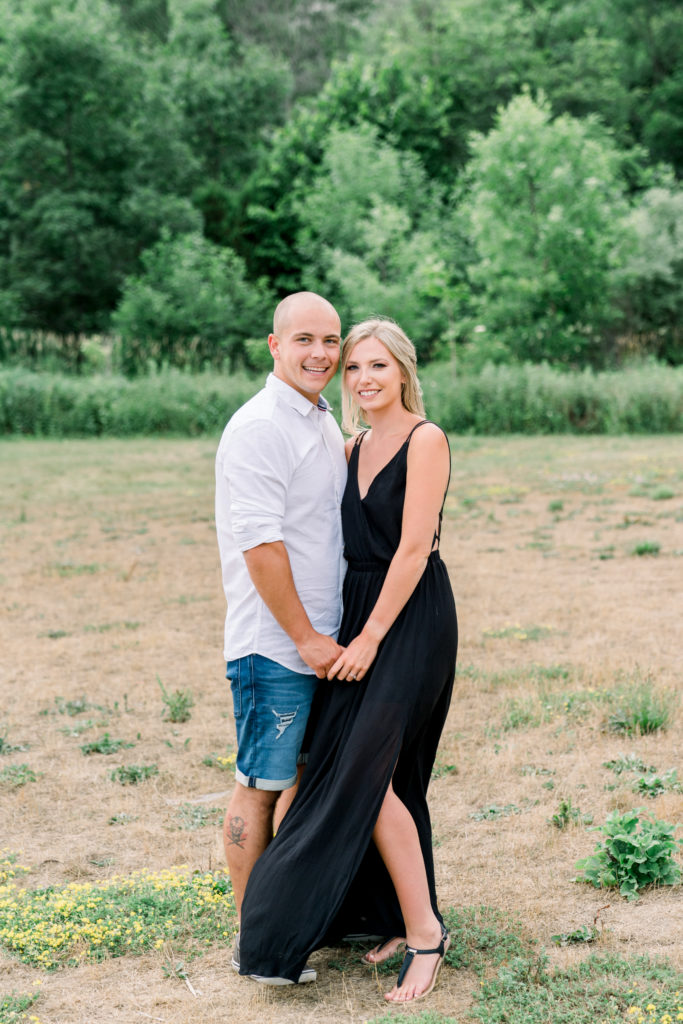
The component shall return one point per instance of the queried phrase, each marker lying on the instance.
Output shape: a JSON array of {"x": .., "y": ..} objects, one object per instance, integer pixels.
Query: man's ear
[{"x": 274, "y": 345}]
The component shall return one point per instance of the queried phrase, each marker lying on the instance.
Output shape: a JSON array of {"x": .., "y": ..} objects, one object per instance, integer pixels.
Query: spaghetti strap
[{"x": 437, "y": 533}]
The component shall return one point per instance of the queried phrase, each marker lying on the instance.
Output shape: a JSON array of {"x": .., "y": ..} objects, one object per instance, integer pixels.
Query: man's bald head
[{"x": 293, "y": 304}]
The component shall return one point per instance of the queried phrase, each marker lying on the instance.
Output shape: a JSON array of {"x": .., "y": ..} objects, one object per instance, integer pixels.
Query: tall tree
[
  {"x": 546, "y": 205},
  {"x": 78, "y": 202}
]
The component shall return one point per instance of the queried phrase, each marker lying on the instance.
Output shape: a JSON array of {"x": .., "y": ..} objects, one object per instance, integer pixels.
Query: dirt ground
[{"x": 110, "y": 578}]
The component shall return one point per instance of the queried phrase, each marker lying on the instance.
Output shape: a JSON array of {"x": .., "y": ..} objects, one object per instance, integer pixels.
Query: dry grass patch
[{"x": 111, "y": 586}]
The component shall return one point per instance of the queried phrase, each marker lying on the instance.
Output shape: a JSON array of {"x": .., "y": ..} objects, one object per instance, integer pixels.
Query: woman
[{"x": 354, "y": 854}]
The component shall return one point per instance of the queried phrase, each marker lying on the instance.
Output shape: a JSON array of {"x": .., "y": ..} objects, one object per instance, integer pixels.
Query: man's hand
[
  {"x": 270, "y": 571},
  {"x": 319, "y": 652}
]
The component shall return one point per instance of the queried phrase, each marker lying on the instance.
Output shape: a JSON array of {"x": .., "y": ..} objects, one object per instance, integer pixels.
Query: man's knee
[{"x": 259, "y": 801}]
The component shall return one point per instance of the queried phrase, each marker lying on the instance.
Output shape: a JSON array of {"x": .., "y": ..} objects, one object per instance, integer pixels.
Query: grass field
[{"x": 566, "y": 557}]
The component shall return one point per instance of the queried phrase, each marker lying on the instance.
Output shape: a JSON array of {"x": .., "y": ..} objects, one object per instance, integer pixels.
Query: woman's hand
[{"x": 356, "y": 659}]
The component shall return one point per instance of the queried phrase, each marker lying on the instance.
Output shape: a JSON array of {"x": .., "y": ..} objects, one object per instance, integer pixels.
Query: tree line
[{"x": 501, "y": 176}]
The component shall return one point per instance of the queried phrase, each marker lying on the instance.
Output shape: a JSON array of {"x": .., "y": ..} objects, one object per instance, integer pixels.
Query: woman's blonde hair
[{"x": 401, "y": 348}]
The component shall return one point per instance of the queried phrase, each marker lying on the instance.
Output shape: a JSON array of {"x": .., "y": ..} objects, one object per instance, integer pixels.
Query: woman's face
[{"x": 373, "y": 376}]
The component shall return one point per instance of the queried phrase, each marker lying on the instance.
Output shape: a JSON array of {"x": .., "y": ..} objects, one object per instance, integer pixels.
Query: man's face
[{"x": 306, "y": 349}]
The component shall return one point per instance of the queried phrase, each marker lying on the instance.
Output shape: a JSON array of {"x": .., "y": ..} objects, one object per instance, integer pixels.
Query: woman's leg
[{"x": 397, "y": 840}]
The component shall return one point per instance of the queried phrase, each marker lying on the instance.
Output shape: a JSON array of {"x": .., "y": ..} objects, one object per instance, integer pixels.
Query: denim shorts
[{"x": 271, "y": 705}]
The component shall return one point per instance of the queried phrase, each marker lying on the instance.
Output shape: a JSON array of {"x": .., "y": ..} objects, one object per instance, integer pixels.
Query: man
[{"x": 280, "y": 475}]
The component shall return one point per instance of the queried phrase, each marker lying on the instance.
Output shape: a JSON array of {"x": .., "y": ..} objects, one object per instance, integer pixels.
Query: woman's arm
[{"x": 426, "y": 481}]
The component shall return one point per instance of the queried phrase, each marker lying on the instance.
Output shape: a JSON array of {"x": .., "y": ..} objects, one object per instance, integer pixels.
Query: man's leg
[
  {"x": 247, "y": 830},
  {"x": 285, "y": 799}
]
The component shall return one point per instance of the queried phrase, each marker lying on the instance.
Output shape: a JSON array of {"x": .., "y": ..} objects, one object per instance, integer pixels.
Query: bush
[
  {"x": 502, "y": 399},
  {"x": 535, "y": 399},
  {"x": 630, "y": 859},
  {"x": 191, "y": 307},
  {"x": 171, "y": 402}
]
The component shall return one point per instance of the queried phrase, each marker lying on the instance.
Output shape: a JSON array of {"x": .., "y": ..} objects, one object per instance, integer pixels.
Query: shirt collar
[{"x": 292, "y": 397}]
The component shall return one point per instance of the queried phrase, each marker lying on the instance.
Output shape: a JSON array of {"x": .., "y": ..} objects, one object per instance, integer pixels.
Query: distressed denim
[{"x": 271, "y": 706}]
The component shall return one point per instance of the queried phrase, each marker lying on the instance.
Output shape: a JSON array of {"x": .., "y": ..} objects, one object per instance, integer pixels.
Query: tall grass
[{"x": 531, "y": 399}]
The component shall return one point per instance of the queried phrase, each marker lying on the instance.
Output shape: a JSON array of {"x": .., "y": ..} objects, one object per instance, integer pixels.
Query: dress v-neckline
[{"x": 379, "y": 471}]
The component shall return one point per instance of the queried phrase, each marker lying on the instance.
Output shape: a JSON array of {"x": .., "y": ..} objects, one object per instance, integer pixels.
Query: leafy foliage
[
  {"x": 545, "y": 205},
  {"x": 192, "y": 306},
  {"x": 636, "y": 852}
]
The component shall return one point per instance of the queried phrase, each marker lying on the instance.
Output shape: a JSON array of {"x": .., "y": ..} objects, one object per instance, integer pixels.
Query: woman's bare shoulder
[{"x": 428, "y": 437}]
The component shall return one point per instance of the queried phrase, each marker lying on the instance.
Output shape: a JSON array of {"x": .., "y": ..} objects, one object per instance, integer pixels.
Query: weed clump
[
  {"x": 177, "y": 704},
  {"x": 631, "y": 858}
]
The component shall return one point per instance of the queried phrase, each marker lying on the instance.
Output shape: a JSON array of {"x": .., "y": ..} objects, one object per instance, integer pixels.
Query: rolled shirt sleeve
[{"x": 258, "y": 468}]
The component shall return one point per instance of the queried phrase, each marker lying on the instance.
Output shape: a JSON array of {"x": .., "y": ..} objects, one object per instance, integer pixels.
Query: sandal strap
[{"x": 412, "y": 952}]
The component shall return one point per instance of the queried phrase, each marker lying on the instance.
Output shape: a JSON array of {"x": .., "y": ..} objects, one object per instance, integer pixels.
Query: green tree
[
  {"x": 649, "y": 277},
  {"x": 192, "y": 306},
  {"x": 77, "y": 195},
  {"x": 231, "y": 97},
  {"x": 545, "y": 206},
  {"x": 308, "y": 36},
  {"x": 371, "y": 234}
]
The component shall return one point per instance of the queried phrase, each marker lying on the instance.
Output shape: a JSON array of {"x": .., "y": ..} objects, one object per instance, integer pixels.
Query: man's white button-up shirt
[{"x": 280, "y": 476}]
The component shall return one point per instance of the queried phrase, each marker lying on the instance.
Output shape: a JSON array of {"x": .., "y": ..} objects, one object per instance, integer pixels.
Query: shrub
[
  {"x": 629, "y": 859},
  {"x": 503, "y": 399}
]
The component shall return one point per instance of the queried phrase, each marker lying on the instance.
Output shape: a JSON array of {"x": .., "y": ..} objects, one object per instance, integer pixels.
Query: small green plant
[
  {"x": 12, "y": 1007},
  {"x": 647, "y": 547},
  {"x": 131, "y": 774},
  {"x": 193, "y": 816},
  {"x": 76, "y": 707},
  {"x": 567, "y": 814},
  {"x": 520, "y": 714},
  {"x": 606, "y": 552},
  {"x": 16, "y": 775},
  {"x": 10, "y": 748},
  {"x": 178, "y": 703},
  {"x": 627, "y": 763},
  {"x": 77, "y": 728},
  {"x": 586, "y": 933},
  {"x": 441, "y": 769},
  {"x": 663, "y": 494},
  {"x": 493, "y": 811},
  {"x": 636, "y": 852},
  {"x": 71, "y": 569},
  {"x": 640, "y": 710},
  {"x": 105, "y": 745},
  {"x": 9, "y": 868},
  {"x": 175, "y": 969},
  {"x": 556, "y": 506},
  {"x": 226, "y": 762},
  {"x": 122, "y": 819},
  {"x": 653, "y": 784}
]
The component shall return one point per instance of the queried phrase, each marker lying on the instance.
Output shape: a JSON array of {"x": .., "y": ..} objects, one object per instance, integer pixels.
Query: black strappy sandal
[{"x": 411, "y": 953}]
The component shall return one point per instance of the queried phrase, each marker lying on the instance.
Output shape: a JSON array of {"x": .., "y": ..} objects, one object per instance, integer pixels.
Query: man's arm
[{"x": 271, "y": 573}]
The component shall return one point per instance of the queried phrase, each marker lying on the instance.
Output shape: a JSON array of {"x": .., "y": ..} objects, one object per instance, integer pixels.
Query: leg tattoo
[{"x": 236, "y": 832}]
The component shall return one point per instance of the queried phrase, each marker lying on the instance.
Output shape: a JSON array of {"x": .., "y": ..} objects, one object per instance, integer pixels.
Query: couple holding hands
[{"x": 342, "y": 708}]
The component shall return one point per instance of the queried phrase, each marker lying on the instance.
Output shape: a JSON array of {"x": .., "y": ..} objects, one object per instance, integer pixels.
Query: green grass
[
  {"x": 13, "y": 1007},
  {"x": 600, "y": 990},
  {"x": 639, "y": 709}
]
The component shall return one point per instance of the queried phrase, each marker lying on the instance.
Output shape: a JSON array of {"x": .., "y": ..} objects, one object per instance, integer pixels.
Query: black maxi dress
[{"x": 322, "y": 878}]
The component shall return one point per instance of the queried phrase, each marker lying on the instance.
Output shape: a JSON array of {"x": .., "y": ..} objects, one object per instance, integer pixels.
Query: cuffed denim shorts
[{"x": 271, "y": 705}]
